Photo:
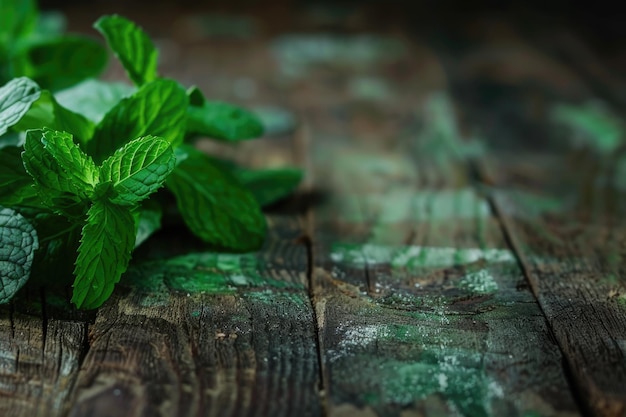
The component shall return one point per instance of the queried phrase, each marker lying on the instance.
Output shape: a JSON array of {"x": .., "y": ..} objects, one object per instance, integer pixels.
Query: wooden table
[{"x": 452, "y": 251}]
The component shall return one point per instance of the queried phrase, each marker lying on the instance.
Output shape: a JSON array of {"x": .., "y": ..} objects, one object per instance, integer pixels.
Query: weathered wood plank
[
  {"x": 422, "y": 307},
  {"x": 573, "y": 254},
  {"x": 561, "y": 201},
  {"x": 208, "y": 335},
  {"x": 41, "y": 355}
]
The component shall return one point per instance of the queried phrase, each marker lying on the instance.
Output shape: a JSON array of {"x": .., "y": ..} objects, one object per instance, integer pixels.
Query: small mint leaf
[
  {"x": 16, "y": 98},
  {"x": 107, "y": 241},
  {"x": 57, "y": 164},
  {"x": 18, "y": 243},
  {"x": 138, "y": 169},
  {"x": 132, "y": 46},
  {"x": 222, "y": 121},
  {"x": 213, "y": 203},
  {"x": 157, "y": 108}
]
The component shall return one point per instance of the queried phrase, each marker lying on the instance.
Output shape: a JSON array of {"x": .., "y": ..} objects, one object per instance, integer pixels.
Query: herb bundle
[{"x": 79, "y": 170}]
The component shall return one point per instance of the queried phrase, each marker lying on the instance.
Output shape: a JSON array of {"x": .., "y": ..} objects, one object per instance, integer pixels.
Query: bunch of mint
[{"x": 78, "y": 169}]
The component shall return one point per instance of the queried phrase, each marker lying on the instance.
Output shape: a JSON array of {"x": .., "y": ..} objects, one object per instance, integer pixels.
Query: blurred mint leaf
[
  {"x": 132, "y": 46},
  {"x": 221, "y": 121},
  {"x": 93, "y": 98}
]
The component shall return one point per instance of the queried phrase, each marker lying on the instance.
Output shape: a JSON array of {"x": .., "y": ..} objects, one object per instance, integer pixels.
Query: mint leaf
[
  {"x": 138, "y": 169},
  {"x": 132, "y": 46},
  {"x": 47, "y": 112},
  {"x": 213, "y": 204},
  {"x": 57, "y": 164},
  {"x": 269, "y": 185},
  {"x": 15, "y": 183},
  {"x": 18, "y": 243},
  {"x": 17, "y": 19},
  {"x": 147, "y": 221},
  {"x": 60, "y": 62},
  {"x": 157, "y": 108},
  {"x": 221, "y": 121},
  {"x": 93, "y": 98},
  {"x": 105, "y": 249},
  {"x": 16, "y": 98}
]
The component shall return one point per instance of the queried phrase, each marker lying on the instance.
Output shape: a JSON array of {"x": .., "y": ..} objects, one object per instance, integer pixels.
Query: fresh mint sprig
[{"x": 93, "y": 155}]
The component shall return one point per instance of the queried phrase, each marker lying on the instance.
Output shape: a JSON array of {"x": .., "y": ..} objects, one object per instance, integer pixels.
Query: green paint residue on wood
[
  {"x": 355, "y": 255},
  {"x": 207, "y": 272},
  {"x": 591, "y": 124},
  {"x": 480, "y": 282},
  {"x": 439, "y": 137},
  {"x": 429, "y": 359},
  {"x": 297, "y": 54}
]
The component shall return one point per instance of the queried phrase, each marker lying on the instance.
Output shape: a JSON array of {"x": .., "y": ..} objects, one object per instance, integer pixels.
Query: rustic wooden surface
[{"x": 449, "y": 253}]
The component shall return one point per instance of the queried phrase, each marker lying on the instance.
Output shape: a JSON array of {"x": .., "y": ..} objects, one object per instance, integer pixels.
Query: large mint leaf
[
  {"x": 138, "y": 169},
  {"x": 213, "y": 203},
  {"x": 47, "y": 112},
  {"x": 18, "y": 243},
  {"x": 15, "y": 183},
  {"x": 221, "y": 121},
  {"x": 57, "y": 164},
  {"x": 93, "y": 98},
  {"x": 16, "y": 98},
  {"x": 132, "y": 46},
  {"x": 107, "y": 241},
  {"x": 60, "y": 62},
  {"x": 157, "y": 109}
]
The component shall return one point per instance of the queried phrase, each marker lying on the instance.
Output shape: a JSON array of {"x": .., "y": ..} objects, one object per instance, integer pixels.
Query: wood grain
[{"x": 422, "y": 307}]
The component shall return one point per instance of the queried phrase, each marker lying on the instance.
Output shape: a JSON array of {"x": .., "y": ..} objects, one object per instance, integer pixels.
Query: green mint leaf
[
  {"x": 157, "y": 108},
  {"x": 107, "y": 241},
  {"x": 17, "y": 20},
  {"x": 60, "y": 62},
  {"x": 147, "y": 221},
  {"x": 18, "y": 243},
  {"x": 221, "y": 121},
  {"x": 138, "y": 169},
  {"x": 56, "y": 163},
  {"x": 16, "y": 98},
  {"x": 132, "y": 46},
  {"x": 269, "y": 185},
  {"x": 93, "y": 98},
  {"x": 50, "y": 23},
  {"x": 213, "y": 204},
  {"x": 15, "y": 183},
  {"x": 47, "y": 112},
  {"x": 59, "y": 237}
]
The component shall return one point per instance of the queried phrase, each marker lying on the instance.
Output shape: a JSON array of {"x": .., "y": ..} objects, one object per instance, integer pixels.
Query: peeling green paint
[
  {"x": 591, "y": 124},
  {"x": 480, "y": 282},
  {"x": 430, "y": 361},
  {"x": 356, "y": 255},
  {"x": 207, "y": 272}
]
